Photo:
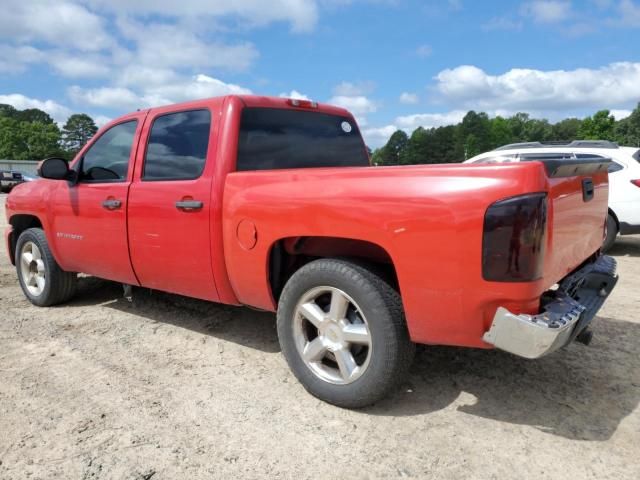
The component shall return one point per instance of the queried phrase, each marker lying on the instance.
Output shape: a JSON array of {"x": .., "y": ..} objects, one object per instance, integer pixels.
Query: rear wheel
[
  {"x": 343, "y": 333},
  {"x": 611, "y": 234},
  {"x": 42, "y": 280}
]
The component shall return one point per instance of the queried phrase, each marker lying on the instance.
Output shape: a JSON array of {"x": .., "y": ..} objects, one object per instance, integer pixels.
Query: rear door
[
  {"x": 170, "y": 201},
  {"x": 90, "y": 217}
]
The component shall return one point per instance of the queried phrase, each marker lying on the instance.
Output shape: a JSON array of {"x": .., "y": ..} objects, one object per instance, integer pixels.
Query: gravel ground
[{"x": 168, "y": 388}]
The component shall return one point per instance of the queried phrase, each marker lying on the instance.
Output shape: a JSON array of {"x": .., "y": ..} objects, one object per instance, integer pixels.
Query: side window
[
  {"x": 613, "y": 166},
  {"x": 107, "y": 160},
  {"x": 177, "y": 148}
]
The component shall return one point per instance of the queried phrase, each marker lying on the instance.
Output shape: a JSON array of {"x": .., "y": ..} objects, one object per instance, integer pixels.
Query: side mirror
[{"x": 54, "y": 169}]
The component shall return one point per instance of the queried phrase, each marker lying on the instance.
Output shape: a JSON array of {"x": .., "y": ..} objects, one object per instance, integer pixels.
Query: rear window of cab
[{"x": 272, "y": 138}]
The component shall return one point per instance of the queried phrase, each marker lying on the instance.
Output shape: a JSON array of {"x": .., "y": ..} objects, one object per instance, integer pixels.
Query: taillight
[
  {"x": 515, "y": 233},
  {"x": 636, "y": 182},
  {"x": 294, "y": 102}
]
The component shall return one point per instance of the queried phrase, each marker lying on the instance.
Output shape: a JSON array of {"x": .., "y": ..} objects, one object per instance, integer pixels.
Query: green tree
[
  {"x": 500, "y": 132},
  {"x": 9, "y": 137},
  {"x": 79, "y": 128},
  {"x": 393, "y": 151},
  {"x": 444, "y": 148},
  {"x": 567, "y": 129},
  {"x": 627, "y": 130},
  {"x": 28, "y": 140},
  {"x": 417, "y": 150},
  {"x": 517, "y": 124},
  {"x": 474, "y": 134},
  {"x": 33, "y": 115},
  {"x": 7, "y": 110},
  {"x": 599, "y": 127},
  {"x": 537, "y": 130}
]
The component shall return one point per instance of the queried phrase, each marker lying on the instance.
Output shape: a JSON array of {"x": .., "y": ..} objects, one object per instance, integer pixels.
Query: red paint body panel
[
  {"x": 171, "y": 248},
  {"x": 427, "y": 219}
]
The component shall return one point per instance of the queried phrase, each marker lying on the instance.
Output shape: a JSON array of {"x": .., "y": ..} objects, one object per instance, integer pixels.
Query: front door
[
  {"x": 90, "y": 217},
  {"x": 169, "y": 204}
]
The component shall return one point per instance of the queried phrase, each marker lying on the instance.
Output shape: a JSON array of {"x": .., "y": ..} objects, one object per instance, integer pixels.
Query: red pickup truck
[{"x": 272, "y": 203}]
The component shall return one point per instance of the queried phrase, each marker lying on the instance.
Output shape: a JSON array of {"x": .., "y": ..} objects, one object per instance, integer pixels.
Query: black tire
[
  {"x": 391, "y": 349},
  {"x": 60, "y": 286},
  {"x": 612, "y": 233}
]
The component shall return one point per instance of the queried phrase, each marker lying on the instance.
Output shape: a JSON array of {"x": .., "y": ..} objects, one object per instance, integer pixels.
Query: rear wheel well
[
  {"x": 290, "y": 254},
  {"x": 20, "y": 223}
]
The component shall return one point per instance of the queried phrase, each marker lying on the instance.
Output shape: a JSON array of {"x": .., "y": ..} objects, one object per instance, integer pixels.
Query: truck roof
[{"x": 262, "y": 101}]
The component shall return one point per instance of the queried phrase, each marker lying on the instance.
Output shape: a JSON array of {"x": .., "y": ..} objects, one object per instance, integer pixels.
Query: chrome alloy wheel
[
  {"x": 32, "y": 269},
  {"x": 332, "y": 335}
]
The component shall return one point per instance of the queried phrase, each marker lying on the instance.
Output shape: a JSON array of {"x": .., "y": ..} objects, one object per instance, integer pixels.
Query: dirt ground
[{"x": 170, "y": 388}]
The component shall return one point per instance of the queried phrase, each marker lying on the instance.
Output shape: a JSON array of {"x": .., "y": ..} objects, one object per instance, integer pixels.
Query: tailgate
[{"x": 577, "y": 202}]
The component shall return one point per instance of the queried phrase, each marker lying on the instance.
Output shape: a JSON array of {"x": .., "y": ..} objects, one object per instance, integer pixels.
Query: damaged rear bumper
[{"x": 566, "y": 312}]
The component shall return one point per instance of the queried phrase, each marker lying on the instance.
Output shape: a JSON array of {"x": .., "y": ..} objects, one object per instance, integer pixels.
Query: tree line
[
  {"x": 31, "y": 134},
  {"x": 477, "y": 133}
]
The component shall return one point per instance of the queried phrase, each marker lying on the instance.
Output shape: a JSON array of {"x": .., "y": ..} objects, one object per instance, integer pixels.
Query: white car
[{"x": 624, "y": 175}]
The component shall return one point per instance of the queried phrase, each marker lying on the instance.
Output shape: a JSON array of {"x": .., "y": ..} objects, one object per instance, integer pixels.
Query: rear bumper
[{"x": 566, "y": 313}]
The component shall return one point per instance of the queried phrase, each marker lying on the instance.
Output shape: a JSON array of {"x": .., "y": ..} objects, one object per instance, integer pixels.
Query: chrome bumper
[{"x": 566, "y": 313}]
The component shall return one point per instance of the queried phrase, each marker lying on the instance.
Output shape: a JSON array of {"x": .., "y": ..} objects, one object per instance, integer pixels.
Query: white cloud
[
  {"x": 76, "y": 66},
  {"x": 614, "y": 85},
  {"x": 57, "y": 111},
  {"x": 101, "y": 120},
  {"x": 183, "y": 89},
  {"x": 105, "y": 97},
  {"x": 376, "y": 137},
  {"x": 547, "y": 11},
  {"x": 164, "y": 45},
  {"x": 358, "y": 105},
  {"x": 294, "y": 94},
  {"x": 629, "y": 13},
  {"x": 353, "y": 97},
  {"x": 502, "y": 23},
  {"x": 429, "y": 120},
  {"x": 15, "y": 59},
  {"x": 409, "y": 98},
  {"x": 424, "y": 51},
  {"x": 349, "y": 89},
  {"x": 61, "y": 23},
  {"x": 301, "y": 14},
  {"x": 620, "y": 114}
]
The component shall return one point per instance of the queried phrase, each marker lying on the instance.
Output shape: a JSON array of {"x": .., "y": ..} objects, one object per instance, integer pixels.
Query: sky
[{"x": 392, "y": 63}]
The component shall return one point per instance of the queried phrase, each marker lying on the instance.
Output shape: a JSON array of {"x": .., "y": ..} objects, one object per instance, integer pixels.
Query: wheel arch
[
  {"x": 287, "y": 255},
  {"x": 19, "y": 223}
]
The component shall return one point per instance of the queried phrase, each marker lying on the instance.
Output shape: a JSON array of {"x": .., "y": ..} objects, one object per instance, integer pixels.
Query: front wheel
[
  {"x": 343, "y": 333},
  {"x": 42, "y": 280}
]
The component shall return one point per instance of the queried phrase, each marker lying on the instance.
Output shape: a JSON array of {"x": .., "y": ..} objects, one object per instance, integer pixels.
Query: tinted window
[
  {"x": 107, "y": 160},
  {"x": 273, "y": 138},
  {"x": 636, "y": 156},
  {"x": 613, "y": 166},
  {"x": 177, "y": 147}
]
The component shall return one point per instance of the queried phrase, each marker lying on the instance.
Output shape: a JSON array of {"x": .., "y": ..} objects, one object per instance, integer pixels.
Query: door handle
[
  {"x": 189, "y": 205},
  {"x": 111, "y": 204}
]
